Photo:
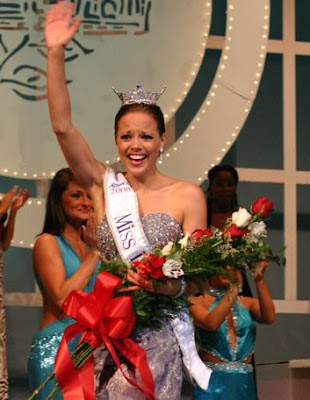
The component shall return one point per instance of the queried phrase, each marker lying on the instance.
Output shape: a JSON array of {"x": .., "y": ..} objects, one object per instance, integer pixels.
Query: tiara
[{"x": 139, "y": 95}]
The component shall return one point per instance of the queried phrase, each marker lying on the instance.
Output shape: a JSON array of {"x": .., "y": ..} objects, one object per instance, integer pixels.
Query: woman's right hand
[
  {"x": 59, "y": 29},
  {"x": 7, "y": 200},
  {"x": 168, "y": 288},
  {"x": 90, "y": 232}
]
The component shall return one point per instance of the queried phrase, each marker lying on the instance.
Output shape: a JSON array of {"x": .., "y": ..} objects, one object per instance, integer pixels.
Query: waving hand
[{"x": 59, "y": 28}]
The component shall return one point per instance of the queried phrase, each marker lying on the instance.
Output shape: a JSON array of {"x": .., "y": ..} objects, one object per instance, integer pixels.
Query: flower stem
[
  {"x": 79, "y": 356},
  {"x": 39, "y": 388}
]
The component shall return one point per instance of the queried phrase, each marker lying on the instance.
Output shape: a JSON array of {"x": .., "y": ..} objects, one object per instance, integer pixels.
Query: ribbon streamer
[{"x": 101, "y": 318}]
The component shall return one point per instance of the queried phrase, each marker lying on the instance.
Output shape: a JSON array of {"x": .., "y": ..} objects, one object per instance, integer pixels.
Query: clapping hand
[
  {"x": 20, "y": 199},
  {"x": 59, "y": 29},
  {"x": 7, "y": 200},
  {"x": 260, "y": 270},
  {"x": 90, "y": 232}
]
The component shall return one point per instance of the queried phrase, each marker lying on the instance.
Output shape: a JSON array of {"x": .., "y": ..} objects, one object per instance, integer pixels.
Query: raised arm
[
  {"x": 7, "y": 200},
  {"x": 59, "y": 30},
  {"x": 8, "y": 233},
  {"x": 262, "y": 309},
  {"x": 212, "y": 320}
]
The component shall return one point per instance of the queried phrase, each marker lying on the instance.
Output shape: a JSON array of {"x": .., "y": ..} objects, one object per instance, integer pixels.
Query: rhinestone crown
[{"x": 139, "y": 95}]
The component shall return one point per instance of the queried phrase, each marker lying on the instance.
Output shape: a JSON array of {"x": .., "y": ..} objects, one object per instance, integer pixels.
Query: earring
[
  {"x": 160, "y": 158},
  {"x": 117, "y": 158}
]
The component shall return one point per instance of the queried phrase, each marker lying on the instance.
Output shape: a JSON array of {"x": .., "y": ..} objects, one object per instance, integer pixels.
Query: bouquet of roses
[
  {"x": 240, "y": 243},
  {"x": 247, "y": 231},
  {"x": 204, "y": 253}
]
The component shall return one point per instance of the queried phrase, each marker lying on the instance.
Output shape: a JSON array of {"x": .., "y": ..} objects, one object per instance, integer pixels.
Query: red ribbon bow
[{"x": 101, "y": 318}]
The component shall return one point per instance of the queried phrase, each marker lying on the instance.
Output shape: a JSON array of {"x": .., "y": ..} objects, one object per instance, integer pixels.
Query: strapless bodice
[{"x": 159, "y": 228}]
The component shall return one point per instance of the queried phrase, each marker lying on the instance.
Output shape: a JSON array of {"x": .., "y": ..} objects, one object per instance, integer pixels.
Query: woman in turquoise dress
[
  {"x": 62, "y": 262},
  {"x": 226, "y": 334}
]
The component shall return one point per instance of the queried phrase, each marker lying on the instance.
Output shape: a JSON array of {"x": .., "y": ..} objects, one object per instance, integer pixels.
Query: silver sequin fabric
[
  {"x": 161, "y": 346},
  {"x": 159, "y": 229},
  {"x": 164, "y": 360}
]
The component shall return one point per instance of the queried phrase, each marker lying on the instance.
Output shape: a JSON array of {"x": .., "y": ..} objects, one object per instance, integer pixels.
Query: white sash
[{"x": 122, "y": 213}]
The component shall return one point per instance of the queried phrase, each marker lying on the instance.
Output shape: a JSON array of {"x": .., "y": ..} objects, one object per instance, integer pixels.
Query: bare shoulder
[
  {"x": 188, "y": 189},
  {"x": 247, "y": 302},
  {"x": 45, "y": 238},
  {"x": 45, "y": 242},
  {"x": 202, "y": 300}
]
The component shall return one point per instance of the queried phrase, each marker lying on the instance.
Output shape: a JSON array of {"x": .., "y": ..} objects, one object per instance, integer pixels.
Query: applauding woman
[
  {"x": 62, "y": 262},
  {"x": 226, "y": 333}
]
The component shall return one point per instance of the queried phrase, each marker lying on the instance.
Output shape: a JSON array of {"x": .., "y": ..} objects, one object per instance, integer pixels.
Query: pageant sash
[
  {"x": 196, "y": 369},
  {"x": 122, "y": 213}
]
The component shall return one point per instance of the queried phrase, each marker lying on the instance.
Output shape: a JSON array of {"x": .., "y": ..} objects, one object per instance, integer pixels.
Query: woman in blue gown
[
  {"x": 62, "y": 262},
  {"x": 226, "y": 334}
]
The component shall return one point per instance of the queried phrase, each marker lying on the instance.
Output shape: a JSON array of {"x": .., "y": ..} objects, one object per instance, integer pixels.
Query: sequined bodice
[{"x": 159, "y": 229}]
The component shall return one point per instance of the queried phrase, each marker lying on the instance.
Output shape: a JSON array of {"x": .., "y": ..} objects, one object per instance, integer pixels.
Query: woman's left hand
[
  {"x": 20, "y": 199},
  {"x": 138, "y": 282},
  {"x": 260, "y": 270}
]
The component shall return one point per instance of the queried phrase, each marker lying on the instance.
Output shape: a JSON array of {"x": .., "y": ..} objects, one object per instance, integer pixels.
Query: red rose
[
  {"x": 143, "y": 268},
  {"x": 200, "y": 233},
  {"x": 156, "y": 264},
  {"x": 235, "y": 232},
  {"x": 262, "y": 206},
  {"x": 157, "y": 273},
  {"x": 156, "y": 261}
]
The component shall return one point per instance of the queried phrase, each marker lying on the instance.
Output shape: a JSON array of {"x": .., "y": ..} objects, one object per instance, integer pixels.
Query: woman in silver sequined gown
[{"x": 167, "y": 206}]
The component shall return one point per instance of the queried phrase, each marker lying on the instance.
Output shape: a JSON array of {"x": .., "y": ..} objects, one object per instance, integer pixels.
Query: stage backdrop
[
  {"x": 124, "y": 43},
  {"x": 120, "y": 43},
  {"x": 270, "y": 152}
]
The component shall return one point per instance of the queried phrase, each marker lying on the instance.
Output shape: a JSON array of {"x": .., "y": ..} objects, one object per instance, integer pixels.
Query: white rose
[
  {"x": 241, "y": 218},
  {"x": 258, "y": 228},
  {"x": 183, "y": 242},
  {"x": 172, "y": 269},
  {"x": 167, "y": 249}
]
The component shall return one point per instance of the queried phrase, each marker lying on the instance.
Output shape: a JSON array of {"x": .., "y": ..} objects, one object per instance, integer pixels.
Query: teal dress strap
[{"x": 72, "y": 261}]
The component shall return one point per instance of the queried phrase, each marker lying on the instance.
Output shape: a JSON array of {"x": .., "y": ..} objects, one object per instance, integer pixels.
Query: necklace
[{"x": 217, "y": 292}]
